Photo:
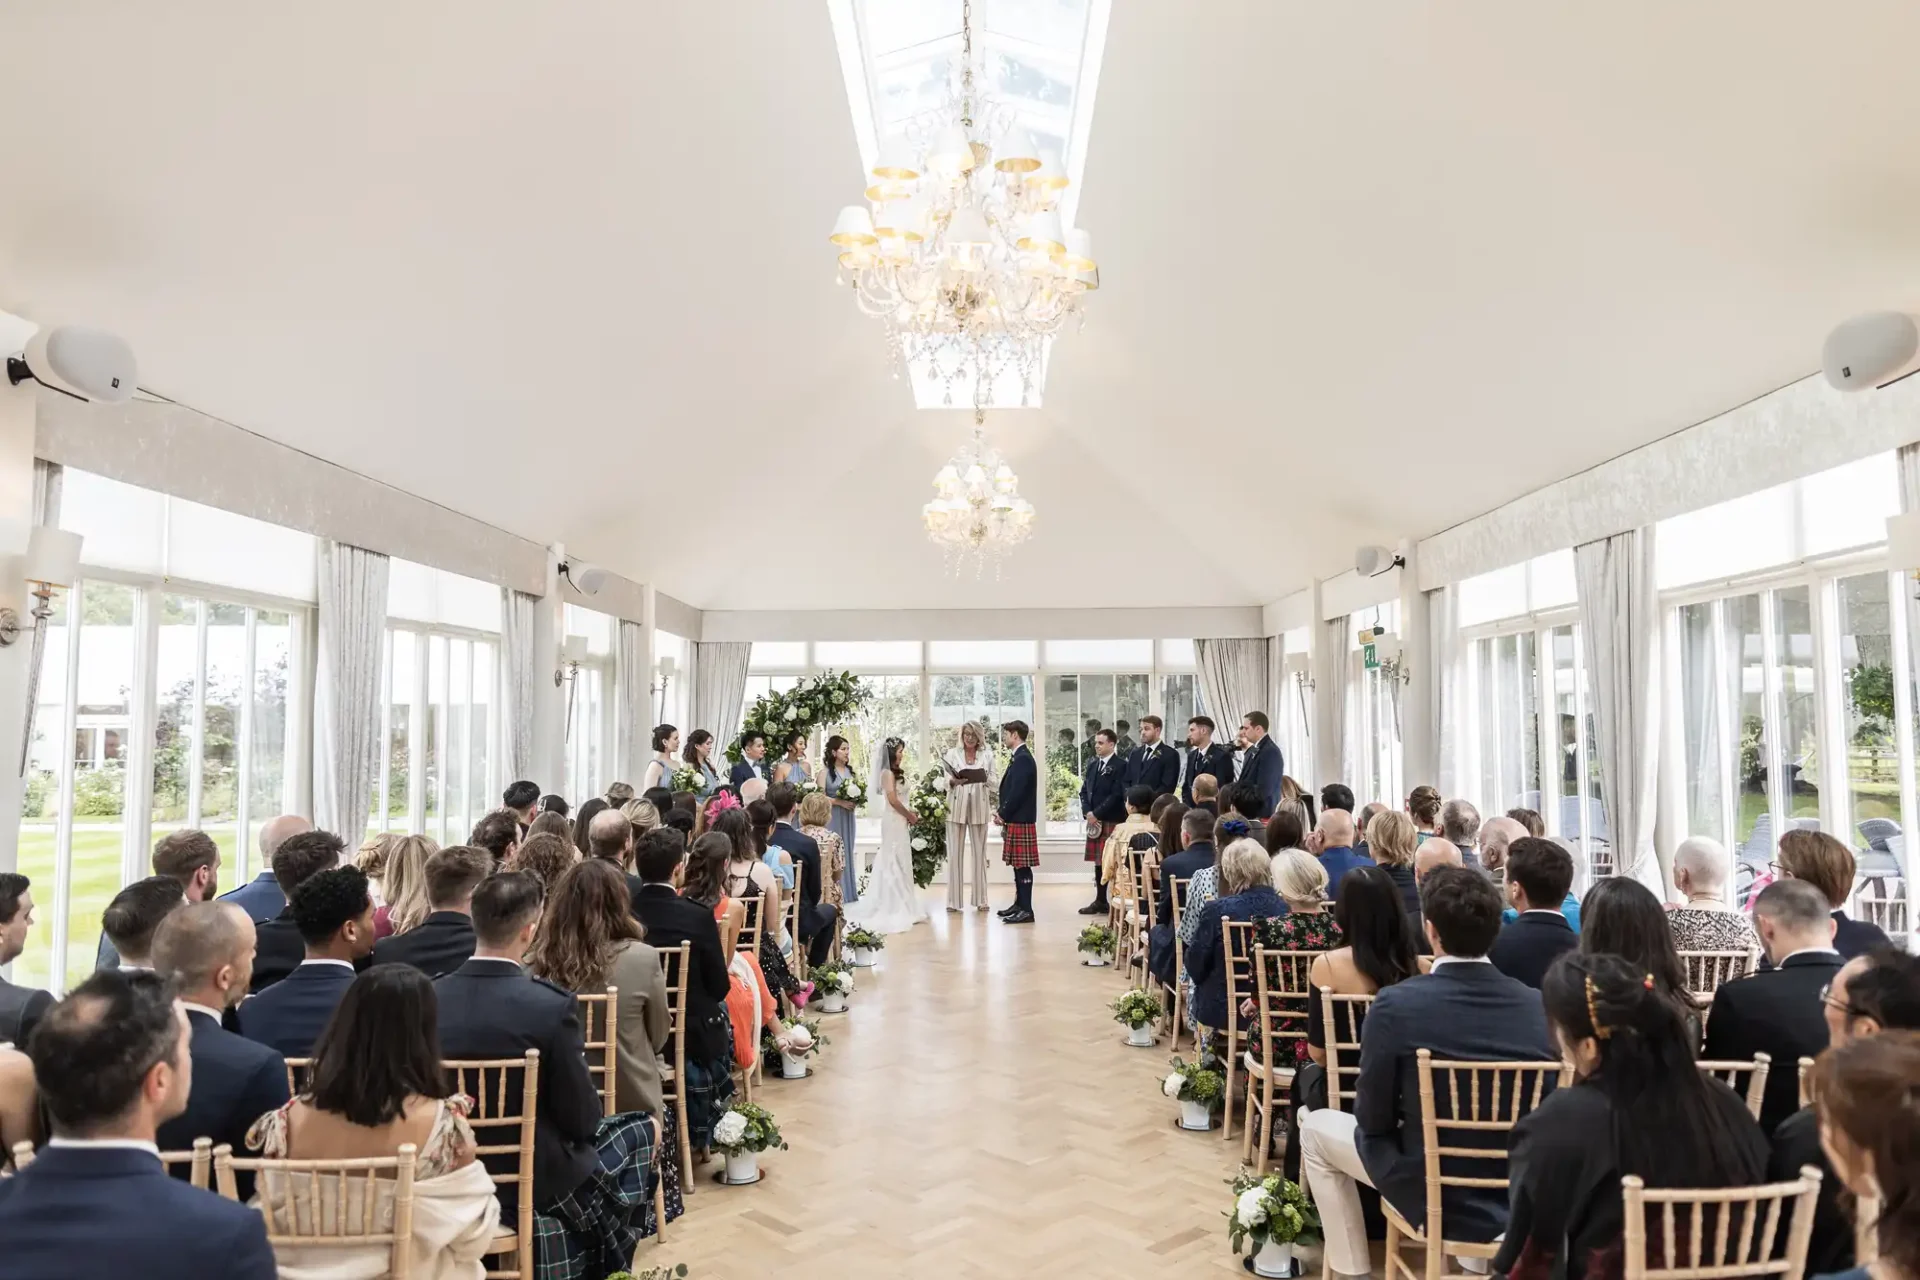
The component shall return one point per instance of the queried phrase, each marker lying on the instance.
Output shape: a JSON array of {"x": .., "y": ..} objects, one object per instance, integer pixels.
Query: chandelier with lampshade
[{"x": 977, "y": 514}]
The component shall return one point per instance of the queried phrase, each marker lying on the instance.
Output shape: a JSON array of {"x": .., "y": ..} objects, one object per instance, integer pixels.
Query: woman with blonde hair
[
  {"x": 971, "y": 774},
  {"x": 816, "y": 813},
  {"x": 371, "y": 859},
  {"x": 406, "y": 884},
  {"x": 643, "y": 816},
  {"x": 1306, "y": 925},
  {"x": 1246, "y": 894},
  {"x": 1391, "y": 840}
]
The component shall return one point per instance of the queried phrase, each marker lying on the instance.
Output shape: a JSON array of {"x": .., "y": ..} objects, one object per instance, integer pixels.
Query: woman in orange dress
[{"x": 750, "y": 1004}]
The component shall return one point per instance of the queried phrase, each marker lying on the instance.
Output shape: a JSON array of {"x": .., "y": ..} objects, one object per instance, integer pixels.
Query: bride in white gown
[{"x": 891, "y": 901}]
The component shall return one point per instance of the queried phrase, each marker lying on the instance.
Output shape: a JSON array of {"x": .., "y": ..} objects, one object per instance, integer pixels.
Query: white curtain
[
  {"x": 1233, "y": 680},
  {"x": 353, "y": 626},
  {"x": 633, "y": 721},
  {"x": 1620, "y": 637},
  {"x": 518, "y": 665},
  {"x": 1337, "y": 635},
  {"x": 718, "y": 669},
  {"x": 48, "y": 479},
  {"x": 1448, "y": 692}
]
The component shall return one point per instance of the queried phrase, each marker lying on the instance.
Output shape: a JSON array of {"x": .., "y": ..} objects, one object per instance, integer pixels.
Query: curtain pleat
[
  {"x": 632, "y": 683},
  {"x": 718, "y": 669},
  {"x": 1336, "y": 634},
  {"x": 518, "y": 663},
  {"x": 1620, "y": 638},
  {"x": 1448, "y": 706},
  {"x": 1233, "y": 679},
  {"x": 353, "y": 624}
]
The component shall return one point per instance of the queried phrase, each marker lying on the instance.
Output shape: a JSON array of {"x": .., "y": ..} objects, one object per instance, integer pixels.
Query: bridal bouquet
[
  {"x": 1270, "y": 1208},
  {"x": 928, "y": 838},
  {"x": 687, "y": 778},
  {"x": 815, "y": 702},
  {"x": 854, "y": 792}
]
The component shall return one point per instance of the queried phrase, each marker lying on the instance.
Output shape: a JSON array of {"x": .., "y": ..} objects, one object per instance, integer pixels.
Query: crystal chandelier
[
  {"x": 977, "y": 514},
  {"x": 959, "y": 250}
]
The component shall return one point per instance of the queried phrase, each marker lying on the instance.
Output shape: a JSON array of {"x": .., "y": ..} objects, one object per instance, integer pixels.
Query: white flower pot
[
  {"x": 834, "y": 1002},
  {"x": 1141, "y": 1037},
  {"x": 743, "y": 1167},
  {"x": 1274, "y": 1259},
  {"x": 1095, "y": 959},
  {"x": 863, "y": 957},
  {"x": 1194, "y": 1115},
  {"x": 792, "y": 1068}
]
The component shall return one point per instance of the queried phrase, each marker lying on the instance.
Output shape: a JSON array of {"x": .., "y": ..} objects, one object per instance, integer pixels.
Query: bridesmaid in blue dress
[
  {"x": 838, "y": 771},
  {"x": 792, "y": 766},
  {"x": 698, "y": 753}
]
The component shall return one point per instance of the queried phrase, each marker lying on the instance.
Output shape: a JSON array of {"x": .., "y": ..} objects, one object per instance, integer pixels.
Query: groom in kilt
[{"x": 1016, "y": 817}]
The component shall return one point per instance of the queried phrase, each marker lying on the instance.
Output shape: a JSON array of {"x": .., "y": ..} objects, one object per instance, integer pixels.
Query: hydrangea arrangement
[
  {"x": 1193, "y": 1082},
  {"x": 854, "y": 792},
  {"x": 674, "y": 1272},
  {"x": 816, "y": 702},
  {"x": 747, "y": 1127},
  {"x": 1267, "y": 1208},
  {"x": 928, "y": 838},
  {"x": 833, "y": 976},
  {"x": 1096, "y": 939},
  {"x": 858, "y": 936},
  {"x": 686, "y": 778},
  {"x": 1137, "y": 1009}
]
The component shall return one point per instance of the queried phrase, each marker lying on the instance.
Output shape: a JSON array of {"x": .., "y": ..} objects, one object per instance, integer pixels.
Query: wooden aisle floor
[{"x": 976, "y": 1115}]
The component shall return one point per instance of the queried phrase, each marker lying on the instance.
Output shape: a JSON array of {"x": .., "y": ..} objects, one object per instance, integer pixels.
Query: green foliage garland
[
  {"x": 928, "y": 837},
  {"x": 815, "y": 703}
]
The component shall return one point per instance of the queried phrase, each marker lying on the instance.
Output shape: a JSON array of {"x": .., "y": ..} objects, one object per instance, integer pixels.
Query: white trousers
[
  {"x": 966, "y": 848},
  {"x": 1330, "y": 1160}
]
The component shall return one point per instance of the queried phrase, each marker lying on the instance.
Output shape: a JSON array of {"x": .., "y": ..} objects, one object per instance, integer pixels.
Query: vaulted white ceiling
[{"x": 1367, "y": 270}]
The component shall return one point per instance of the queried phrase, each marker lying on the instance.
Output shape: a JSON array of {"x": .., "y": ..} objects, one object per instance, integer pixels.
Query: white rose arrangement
[
  {"x": 1251, "y": 1207},
  {"x": 730, "y": 1128}
]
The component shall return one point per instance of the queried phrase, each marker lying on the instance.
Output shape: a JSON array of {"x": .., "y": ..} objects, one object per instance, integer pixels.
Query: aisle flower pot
[
  {"x": 863, "y": 957},
  {"x": 1194, "y": 1115},
  {"x": 1141, "y": 1037},
  {"x": 1274, "y": 1259},
  {"x": 834, "y": 1002},
  {"x": 1095, "y": 960},
  {"x": 792, "y": 1068},
  {"x": 743, "y": 1167}
]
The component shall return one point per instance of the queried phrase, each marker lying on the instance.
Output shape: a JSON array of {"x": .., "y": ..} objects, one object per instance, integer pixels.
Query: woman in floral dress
[{"x": 1308, "y": 926}]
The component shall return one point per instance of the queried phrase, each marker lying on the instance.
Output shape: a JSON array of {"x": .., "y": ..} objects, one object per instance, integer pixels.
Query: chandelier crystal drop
[
  {"x": 959, "y": 250},
  {"x": 977, "y": 514}
]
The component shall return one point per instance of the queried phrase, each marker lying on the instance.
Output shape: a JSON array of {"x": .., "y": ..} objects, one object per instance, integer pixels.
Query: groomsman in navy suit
[
  {"x": 753, "y": 751},
  {"x": 1263, "y": 768},
  {"x": 1204, "y": 755},
  {"x": 1153, "y": 763},
  {"x": 1103, "y": 801}
]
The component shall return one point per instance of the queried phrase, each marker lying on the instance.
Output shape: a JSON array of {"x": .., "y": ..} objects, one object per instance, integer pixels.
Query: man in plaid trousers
[{"x": 1018, "y": 813}]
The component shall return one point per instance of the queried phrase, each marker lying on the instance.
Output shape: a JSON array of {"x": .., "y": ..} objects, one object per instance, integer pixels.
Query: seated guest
[
  {"x": 1206, "y": 794},
  {"x": 1306, "y": 924},
  {"x": 816, "y": 917},
  {"x": 278, "y": 946},
  {"x": 1637, "y": 1106},
  {"x": 112, "y": 1064},
  {"x": 19, "y": 1104},
  {"x": 1779, "y": 1011},
  {"x": 1705, "y": 920},
  {"x": 618, "y": 793},
  {"x": 750, "y": 873},
  {"x": 377, "y": 1083},
  {"x": 261, "y": 897},
  {"x": 555, "y": 805},
  {"x": 815, "y": 816},
  {"x": 1291, "y": 792},
  {"x": 1460, "y": 826},
  {"x": 443, "y": 941},
  {"x": 1624, "y": 919},
  {"x": 1362, "y": 825},
  {"x": 751, "y": 830},
  {"x": 1538, "y": 873},
  {"x": 190, "y": 858},
  {"x": 549, "y": 823},
  {"x": 1391, "y": 842},
  {"x": 1871, "y": 1128},
  {"x": 1196, "y": 853},
  {"x": 591, "y": 1176},
  {"x": 406, "y": 886},
  {"x": 205, "y": 950},
  {"x": 1876, "y": 992},
  {"x": 1245, "y": 802},
  {"x": 1431, "y": 854},
  {"x": 1828, "y": 865},
  {"x": 499, "y": 833},
  {"x": 1140, "y": 798},
  {"x": 1423, "y": 806},
  {"x": 1530, "y": 819},
  {"x": 1496, "y": 837},
  {"x": 1205, "y": 887},
  {"x": 1286, "y": 830},
  {"x": 670, "y": 920},
  {"x": 1246, "y": 894},
  {"x": 522, "y": 800},
  {"x": 751, "y": 1005},
  {"x": 544, "y": 855},
  {"x": 660, "y": 798},
  {"x": 20, "y": 1007},
  {"x": 334, "y": 913},
  {"x": 1332, "y": 842},
  {"x": 610, "y": 839},
  {"x": 583, "y": 820},
  {"x": 135, "y": 912},
  {"x": 1336, "y": 795},
  {"x": 1465, "y": 1010}
]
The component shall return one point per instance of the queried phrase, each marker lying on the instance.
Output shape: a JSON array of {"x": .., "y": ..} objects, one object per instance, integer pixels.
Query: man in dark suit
[
  {"x": 490, "y": 1007},
  {"x": 206, "y": 950},
  {"x": 522, "y": 799},
  {"x": 499, "y": 833},
  {"x": 129, "y": 922},
  {"x": 1777, "y": 1012},
  {"x": 20, "y": 1007},
  {"x": 278, "y": 948},
  {"x": 753, "y": 752},
  {"x": 1466, "y": 1010},
  {"x": 112, "y": 1064},
  {"x": 442, "y": 942},
  {"x": 1263, "y": 767},
  {"x": 1332, "y": 843},
  {"x": 1196, "y": 851},
  {"x": 261, "y": 897},
  {"x": 1103, "y": 803},
  {"x": 1539, "y": 873},
  {"x": 1204, "y": 755},
  {"x": 334, "y": 913},
  {"x": 1154, "y": 763},
  {"x": 1876, "y": 992},
  {"x": 190, "y": 859},
  {"x": 1018, "y": 818},
  {"x": 816, "y": 917}
]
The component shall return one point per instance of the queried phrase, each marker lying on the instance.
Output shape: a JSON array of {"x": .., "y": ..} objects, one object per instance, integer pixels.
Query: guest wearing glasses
[{"x": 1828, "y": 865}]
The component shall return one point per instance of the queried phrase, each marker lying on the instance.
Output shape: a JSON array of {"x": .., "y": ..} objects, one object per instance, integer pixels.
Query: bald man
[
  {"x": 1332, "y": 843},
  {"x": 261, "y": 897},
  {"x": 1495, "y": 835},
  {"x": 753, "y": 789},
  {"x": 1433, "y": 854}
]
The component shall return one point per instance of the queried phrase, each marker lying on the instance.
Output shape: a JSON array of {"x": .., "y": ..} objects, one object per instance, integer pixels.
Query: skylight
[{"x": 1040, "y": 56}]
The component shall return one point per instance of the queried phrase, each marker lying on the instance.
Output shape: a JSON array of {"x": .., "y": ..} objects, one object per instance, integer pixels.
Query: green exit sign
[{"x": 1370, "y": 656}]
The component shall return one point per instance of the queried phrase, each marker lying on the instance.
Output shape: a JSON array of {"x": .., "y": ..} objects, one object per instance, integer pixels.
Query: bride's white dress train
[{"x": 891, "y": 901}]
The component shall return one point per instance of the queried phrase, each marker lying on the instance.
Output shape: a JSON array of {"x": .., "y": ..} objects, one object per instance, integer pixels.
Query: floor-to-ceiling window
[
  {"x": 590, "y": 702},
  {"x": 1077, "y": 704}
]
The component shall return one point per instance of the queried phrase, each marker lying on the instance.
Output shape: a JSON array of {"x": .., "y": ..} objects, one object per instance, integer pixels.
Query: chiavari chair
[
  {"x": 1178, "y": 989},
  {"x": 1237, "y": 961},
  {"x": 1281, "y": 992},
  {"x": 1707, "y": 971},
  {"x": 299, "y": 1075},
  {"x": 673, "y": 1059},
  {"x": 599, "y": 1024},
  {"x": 1728, "y": 1233},
  {"x": 502, "y": 1120},
  {"x": 319, "y": 1205},
  {"x": 199, "y": 1162},
  {"x": 1730, "y": 1073},
  {"x": 1343, "y": 1016}
]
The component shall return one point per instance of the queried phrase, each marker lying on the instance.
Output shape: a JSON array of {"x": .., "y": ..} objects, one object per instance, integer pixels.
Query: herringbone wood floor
[{"x": 976, "y": 1115}]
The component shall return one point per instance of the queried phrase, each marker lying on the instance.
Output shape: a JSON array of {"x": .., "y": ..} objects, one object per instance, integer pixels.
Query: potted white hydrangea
[
  {"x": 741, "y": 1135},
  {"x": 1200, "y": 1092},
  {"x": 863, "y": 943},
  {"x": 1137, "y": 1011},
  {"x": 1275, "y": 1215},
  {"x": 803, "y": 1041},
  {"x": 1095, "y": 946},
  {"x": 835, "y": 981}
]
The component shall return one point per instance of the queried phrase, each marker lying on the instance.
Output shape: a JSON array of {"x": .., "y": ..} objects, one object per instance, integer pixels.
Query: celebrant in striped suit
[{"x": 970, "y": 776}]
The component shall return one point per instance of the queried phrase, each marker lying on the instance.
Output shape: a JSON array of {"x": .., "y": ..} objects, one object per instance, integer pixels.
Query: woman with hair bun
[{"x": 1423, "y": 806}]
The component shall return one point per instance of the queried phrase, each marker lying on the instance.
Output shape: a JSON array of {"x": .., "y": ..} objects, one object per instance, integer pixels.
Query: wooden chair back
[
  {"x": 1729, "y": 1233},
  {"x": 199, "y": 1162},
  {"x": 1748, "y": 1079},
  {"x": 1236, "y": 959},
  {"x": 1282, "y": 992},
  {"x": 1343, "y": 1016},
  {"x": 1180, "y": 884},
  {"x": 505, "y": 1093},
  {"x": 22, "y": 1155},
  {"x": 299, "y": 1075},
  {"x": 792, "y": 912},
  {"x": 600, "y": 1029},
  {"x": 749, "y": 940},
  {"x": 331, "y": 1204},
  {"x": 1806, "y": 1069},
  {"x": 1707, "y": 971},
  {"x": 673, "y": 1058}
]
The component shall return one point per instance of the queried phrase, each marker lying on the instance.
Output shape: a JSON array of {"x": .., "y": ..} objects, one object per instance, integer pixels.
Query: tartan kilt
[
  {"x": 1020, "y": 844},
  {"x": 591, "y": 1231},
  {"x": 1097, "y": 839}
]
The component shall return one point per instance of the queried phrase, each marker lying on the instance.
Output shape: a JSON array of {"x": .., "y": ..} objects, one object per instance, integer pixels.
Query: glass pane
[
  {"x": 400, "y": 683},
  {"x": 1745, "y": 689},
  {"x": 173, "y": 740},
  {"x": 1566, "y": 818},
  {"x": 1177, "y": 654},
  {"x": 879, "y": 655},
  {"x": 480, "y": 780},
  {"x": 1521, "y": 726},
  {"x": 780, "y": 653},
  {"x": 1180, "y": 695},
  {"x": 40, "y": 805},
  {"x": 989, "y": 701},
  {"x": 103, "y": 715},
  {"x": 1500, "y": 594},
  {"x": 1077, "y": 708},
  {"x": 227, "y": 680},
  {"x": 1487, "y": 685},
  {"x": 1060, "y": 756},
  {"x": 436, "y": 734},
  {"x": 458, "y": 819},
  {"x": 982, "y": 654},
  {"x": 1799, "y": 753},
  {"x": 893, "y": 713},
  {"x": 267, "y": 753},
  {"x": 1700, "y": 723},
  {"x": 1866, "y": 664}
]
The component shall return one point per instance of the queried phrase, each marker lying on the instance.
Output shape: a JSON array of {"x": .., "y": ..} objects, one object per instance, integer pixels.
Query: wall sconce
[
  {"x": 664, "y": 669},
  {"x": 573, "y": 652},
  {"x": 52, "y": 560}
]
